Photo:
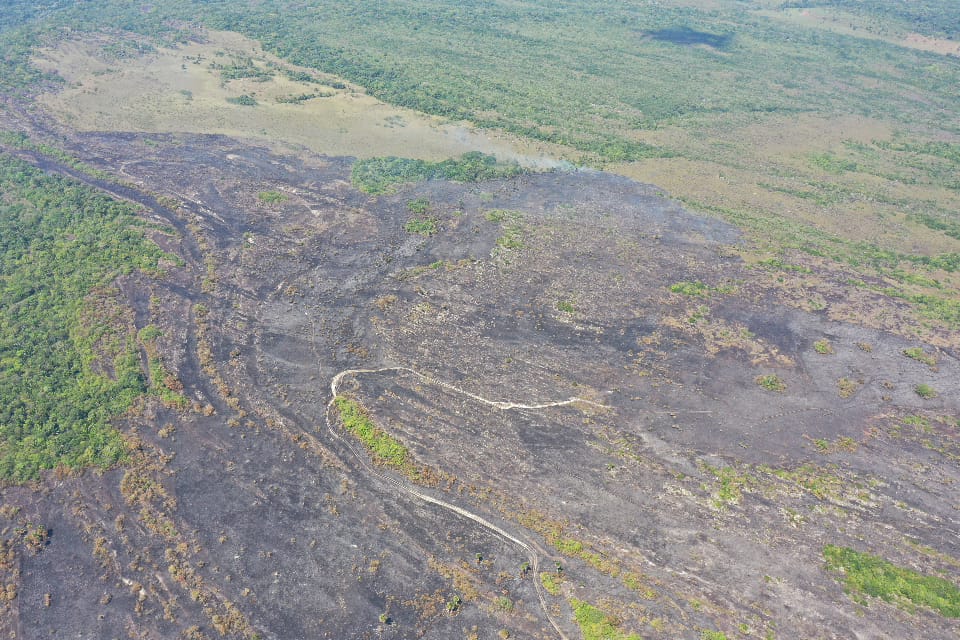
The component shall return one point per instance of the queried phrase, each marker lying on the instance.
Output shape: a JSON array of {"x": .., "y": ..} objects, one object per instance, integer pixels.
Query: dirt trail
[{"x": 533, "y": 554}]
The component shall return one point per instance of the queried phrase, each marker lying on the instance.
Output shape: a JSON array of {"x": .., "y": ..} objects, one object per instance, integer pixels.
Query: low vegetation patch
[
  {"x": 864, "y": 574},
  {"x": 847, "y": 387},
  {"x": 422, "y": 226},
  {"x": 925, "y": 391},
  {"x": 731, "y": 485},
  {"x": 272, "y": 197},
  {"x": 823, "y": 347},
  {"x": 385, "y": 449},
  {"x": 302, "y": 97},
  {"x": 699, "y": 289},
  {"x": 382, "y": 175},
  {"x": 244, "y": 101},
  {"x": 771, "y": 382},
  {"x": 565, "y": 306},
  {"x": 596, "y": 624},
  {"x": 551, "y": 583},
  {"x": 419, "y": 206},
  {"x": 510, "y": 223},
  {"x": 919, "y": 355}
]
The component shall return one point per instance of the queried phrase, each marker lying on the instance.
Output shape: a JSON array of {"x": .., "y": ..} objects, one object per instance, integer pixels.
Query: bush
[
  {"x": 771, "y": 382},
  {"x": 244, "y": 101},
  {"x": 423, "y": 226},
  {"x": 823, "y": 347},
  {"x": 918, "y": 354},
  {"x": 925, "y": 391}
]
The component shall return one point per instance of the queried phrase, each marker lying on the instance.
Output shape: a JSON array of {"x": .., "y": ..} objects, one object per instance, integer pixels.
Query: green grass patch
[
  {"x": 698, "y": 289},
  {"x": 422, "y": 226},
  {"x": 565, "y": 306},
  {"x": 925, "y": 391},
  {"x": 511, "y": 225},
  {"x": 730, "y": 485},
  {"x": 419, "y": 206},
  {"x": 918, "y": 354},
  {"x": 385, "y": 449},
  {"x": 596, "y": 624},
  {"x": 823, "y": 347},
  {"x": 272, "y": 197},
  {"x": 551, "y": 582},
  {"x": 864, "y": 574},
  {"x": 568, "y": 546}
]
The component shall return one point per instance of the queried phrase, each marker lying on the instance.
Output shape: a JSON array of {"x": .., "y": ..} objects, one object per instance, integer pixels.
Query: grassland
[{"x": 227, "y": 84}]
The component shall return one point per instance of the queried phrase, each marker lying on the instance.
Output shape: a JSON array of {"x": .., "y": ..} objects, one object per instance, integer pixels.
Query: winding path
[{"x": 533, "y": 554}]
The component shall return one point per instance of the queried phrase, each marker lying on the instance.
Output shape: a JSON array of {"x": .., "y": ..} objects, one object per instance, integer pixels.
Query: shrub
[
  {"x": 925, "y": 391},
  {"x": 422, "y": 226},
  {"x": 847, "y": 387},
  {"x": 244, "y": 101},
  {"x": 771, "y": 382},
  {"x": 823, "y": 347},
  {"x": 380, "y": 175}
]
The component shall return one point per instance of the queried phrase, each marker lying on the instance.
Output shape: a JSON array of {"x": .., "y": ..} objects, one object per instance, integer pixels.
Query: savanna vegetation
[
  {"x": 380, "y": 175},
  {"x": 710, "y": 92}
]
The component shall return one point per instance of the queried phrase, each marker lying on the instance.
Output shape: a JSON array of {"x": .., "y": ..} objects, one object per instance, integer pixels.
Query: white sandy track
[{"x": 528, "y": 547}]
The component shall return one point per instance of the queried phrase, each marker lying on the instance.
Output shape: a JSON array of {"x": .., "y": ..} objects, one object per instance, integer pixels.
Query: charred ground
[{"x": 680, "y": 496}]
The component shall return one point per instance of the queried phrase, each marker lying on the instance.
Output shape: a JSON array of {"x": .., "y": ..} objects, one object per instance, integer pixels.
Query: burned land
[
  {"x": 479, "y": 320},
  {"x": 663, "y": 432}
]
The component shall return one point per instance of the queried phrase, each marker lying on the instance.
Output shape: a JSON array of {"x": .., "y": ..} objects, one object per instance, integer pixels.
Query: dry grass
[{"x": 169, "y": 91}]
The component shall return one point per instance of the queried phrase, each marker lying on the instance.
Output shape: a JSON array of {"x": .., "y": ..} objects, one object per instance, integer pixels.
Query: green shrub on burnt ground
[
  {"x": 918, "y": 354},
  {"x": 272, "y": 197},
  {"x": 381, "y": 175},
  {"x": 384, "y": 448},
  {"x": 422, "y": 226},
  {"x": 925, "y": 391},
  {"x": 864, "y": 574},
  {"x": 771, "y": 382},
  {"x": 596, "y": 624},
  {"x": 68, "y": 363}
]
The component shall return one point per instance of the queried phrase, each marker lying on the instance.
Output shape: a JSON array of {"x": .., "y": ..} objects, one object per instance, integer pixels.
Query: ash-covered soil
[{"x": 678, "y": 495}]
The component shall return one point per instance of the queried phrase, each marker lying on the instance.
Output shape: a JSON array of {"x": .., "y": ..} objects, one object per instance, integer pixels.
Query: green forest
[{"x": 68, "y": 357}]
